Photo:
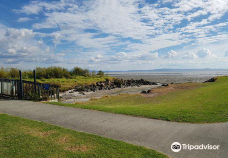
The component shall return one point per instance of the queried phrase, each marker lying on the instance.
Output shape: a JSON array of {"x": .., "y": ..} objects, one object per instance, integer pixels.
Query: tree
[
  {"x": 77, "y": 71},
  {"x": 100, "y": 73},
  {"x": 14, "y": 73}
]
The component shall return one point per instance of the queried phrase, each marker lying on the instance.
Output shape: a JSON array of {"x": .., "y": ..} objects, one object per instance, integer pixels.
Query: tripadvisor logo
[{"x": 176, "y": 147}]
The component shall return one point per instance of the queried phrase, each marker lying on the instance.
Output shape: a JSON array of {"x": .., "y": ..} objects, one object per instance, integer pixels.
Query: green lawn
[
  {"x": 23, "y": 138},
  {"x": 205, "y": 103},
  {"x": 67, "y": 84}
]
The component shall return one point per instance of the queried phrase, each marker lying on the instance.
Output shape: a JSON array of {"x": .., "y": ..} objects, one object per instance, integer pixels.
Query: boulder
[
  {"x": 165, "y": 84},
  {"x": 211, "y": 80},
  {"x": 144, "y": 92}
]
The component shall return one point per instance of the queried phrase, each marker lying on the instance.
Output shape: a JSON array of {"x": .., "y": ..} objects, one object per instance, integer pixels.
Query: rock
[
  {"x": 82, "y": 93},
  {"x": 211, "y": 80},
  {"x": 165, "y": 84},
  {"x": 117, "y": 83},
  {"x": 144, "y": 92}
]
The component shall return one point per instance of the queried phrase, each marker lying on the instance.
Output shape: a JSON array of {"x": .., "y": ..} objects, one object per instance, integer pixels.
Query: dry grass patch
[
  {"x": 63, "y": 140},
  {"x": 172, "y": 88},
  {"x": 68, "y": 143},
  {"x": 36, "y": 132}
]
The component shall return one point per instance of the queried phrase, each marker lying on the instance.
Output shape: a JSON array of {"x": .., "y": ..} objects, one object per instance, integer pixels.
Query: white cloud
[
  {"x": 130, "y": 26},
  {"x": 40, "y": 41},
  {"x": 23, "y": 19},
  {"x": 20, "y": 45},
  {"x": 204, "y": 53},
  {"x": 145, "y": 56},
  {"x": 171, "y": 54},
  {"x": 190, "y": 55},
  {"x": 166, "y": 1},
  {"x": 126, "y": 20},
  {"x": 2, "y": 31},
  {"x": 122, "y": 56},
  {"x": 96, "y": 59}
]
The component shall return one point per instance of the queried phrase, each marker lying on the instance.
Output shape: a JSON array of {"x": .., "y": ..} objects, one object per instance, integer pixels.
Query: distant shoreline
[
  {"x": 171, "y": 76},
  {"x": 166, "y": 78}
]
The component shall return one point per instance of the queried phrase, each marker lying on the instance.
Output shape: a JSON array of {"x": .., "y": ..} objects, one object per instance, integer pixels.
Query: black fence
[{"x": 20, "y": 89}]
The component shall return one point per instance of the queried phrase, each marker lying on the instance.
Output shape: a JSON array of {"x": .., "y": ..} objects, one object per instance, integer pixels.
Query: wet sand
[
  {"x": 166, "y": 78},
  {"x": 171, "y": 76}
]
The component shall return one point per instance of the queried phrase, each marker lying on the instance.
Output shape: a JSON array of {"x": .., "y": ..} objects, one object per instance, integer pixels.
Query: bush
[
  {"x": 52, "y": 72},
  {"x": 49, "y": 72},
  {"x": 100, "y": 73},
  {"x": 9, "y": 73},
  {"x": 14, "y": 73},
  {"x": 27, "y": 74}
]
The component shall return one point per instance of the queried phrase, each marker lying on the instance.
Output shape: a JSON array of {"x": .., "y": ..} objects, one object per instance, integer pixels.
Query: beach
[{"x": 161, "y": 77}]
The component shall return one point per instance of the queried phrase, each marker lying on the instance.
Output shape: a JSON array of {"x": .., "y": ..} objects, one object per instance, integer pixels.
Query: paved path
[{"x": 155, "y": 134}]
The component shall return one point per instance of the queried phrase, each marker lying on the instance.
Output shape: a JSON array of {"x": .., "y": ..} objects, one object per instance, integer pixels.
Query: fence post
[
  {"x": 21, "y": 85},
  {"x": 57, "y": 93},
  {"x": 34, "y": 75},
  {"x": 2, "y": 86}
]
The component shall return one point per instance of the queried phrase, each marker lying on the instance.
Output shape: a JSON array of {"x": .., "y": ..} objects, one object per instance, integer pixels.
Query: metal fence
[
  {"x": 9, "y": 88},
  {"x": 20, "y": 89}
]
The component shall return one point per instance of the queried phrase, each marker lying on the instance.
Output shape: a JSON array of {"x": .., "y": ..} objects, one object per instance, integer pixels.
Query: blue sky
[{"x": 114, "y": 35}]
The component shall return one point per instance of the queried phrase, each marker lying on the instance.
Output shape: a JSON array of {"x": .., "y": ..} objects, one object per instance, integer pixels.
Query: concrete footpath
[{"x": 155, "y": 134}]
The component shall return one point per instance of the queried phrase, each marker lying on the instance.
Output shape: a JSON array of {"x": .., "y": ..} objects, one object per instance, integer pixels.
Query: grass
[
  {"x": 67, "y": 84},
  {"x": 23, "y": 138},
  {"x": 198, "y": 103}
]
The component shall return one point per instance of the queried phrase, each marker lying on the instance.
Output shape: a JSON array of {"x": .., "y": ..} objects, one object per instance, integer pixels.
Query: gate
[
  {"x": 11, "y": 88},
  {"x": 21, "y": 89}
]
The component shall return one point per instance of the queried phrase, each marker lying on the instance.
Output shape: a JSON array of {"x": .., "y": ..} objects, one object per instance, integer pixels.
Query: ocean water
[{"x": 169, "y": 76}]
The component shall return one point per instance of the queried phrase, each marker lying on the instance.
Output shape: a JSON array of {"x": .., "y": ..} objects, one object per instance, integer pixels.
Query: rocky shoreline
[
  {"x": 117, "y": 86},
  {"x": 116, "y": 83}
]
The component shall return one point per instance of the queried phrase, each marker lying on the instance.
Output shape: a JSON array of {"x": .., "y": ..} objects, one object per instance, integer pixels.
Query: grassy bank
[
  {"x": 189, "y": 102},
  {"x": 23, "y": 138},
  {"x": 70, "y": 83},
  {"x": 64, "y": 78}
]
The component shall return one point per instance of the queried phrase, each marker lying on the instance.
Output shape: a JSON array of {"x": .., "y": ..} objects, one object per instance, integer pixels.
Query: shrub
[
  {"x": 49, "y": 72},
  {"x": 77, "y": 71},
  {"x": 100, "y": 73},
  {"x": 52, "y": 72}
]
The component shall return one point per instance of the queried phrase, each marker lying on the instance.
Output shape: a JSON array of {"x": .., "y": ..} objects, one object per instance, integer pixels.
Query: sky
[{"x": 114, "y": 34}]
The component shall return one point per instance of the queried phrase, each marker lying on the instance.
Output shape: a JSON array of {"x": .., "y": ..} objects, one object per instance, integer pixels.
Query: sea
[{"x": 170, "y": 75}]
